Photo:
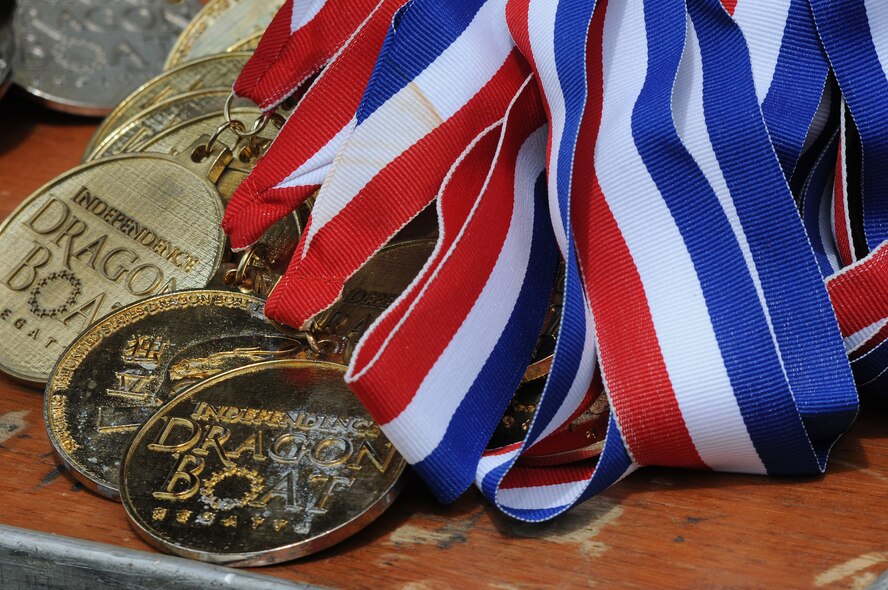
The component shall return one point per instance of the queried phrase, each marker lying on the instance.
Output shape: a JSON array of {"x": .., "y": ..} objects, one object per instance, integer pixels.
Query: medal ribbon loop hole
[
  {"x": 240, "y": 129},
  {"x": 202, "y": 152}
]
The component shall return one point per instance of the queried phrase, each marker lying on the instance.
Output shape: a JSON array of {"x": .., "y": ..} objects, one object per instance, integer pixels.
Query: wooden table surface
[{"x": 659, "y": 528}]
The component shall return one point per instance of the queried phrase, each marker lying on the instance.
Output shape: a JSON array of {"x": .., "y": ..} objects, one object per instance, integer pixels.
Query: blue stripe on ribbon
[
  {"x": 737, "y": 317},
  {"x": 572, "y": 21},
  {"x": 801, "y": 313},
  {"x": 813, "y": 193},
  {"x": 420, "y": 33},
  {"x": 451, "y": 467},
  {"x": 571, "y": 31},
  {"x": 612, "y": 464},
  {"x": 797, "y": 87},
  {"x": 491, "y": 481},
  {"x": 845, "y": 33}
]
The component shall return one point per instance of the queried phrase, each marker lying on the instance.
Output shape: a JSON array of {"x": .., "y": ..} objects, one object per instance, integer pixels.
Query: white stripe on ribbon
[
  {"x": 549, "y": 496},
  {"x": 313, "y": 171},
  {"x": 856, "y": 340},
  {"x": 303, "y": 12},
  {"x": 450, "y": 378},
  {"x": 763, "y": 23},
  {"x": 678, "y": 309},
  {"x": 877, "y": 15},
  {"x": 433, "y": 97},
  {"x": 541, "y": 29},
  {"x": 541, "y": 497}
]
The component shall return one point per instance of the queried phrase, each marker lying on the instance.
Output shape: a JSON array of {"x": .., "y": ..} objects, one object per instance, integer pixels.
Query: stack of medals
[{"x": 228, "y": 438}]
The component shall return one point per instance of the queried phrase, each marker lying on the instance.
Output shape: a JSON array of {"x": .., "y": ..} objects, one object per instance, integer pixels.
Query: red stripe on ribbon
[
  {"x": 390, "y": 200},
  {"x": 530, "y": 477},
  {"x": 326, "y": 109},
  {"x": 641, "y": 392},
  {"x": 276, "y": 69},
  {"x": 855, "y": 292},
  {"x": 462, "y": 277}
]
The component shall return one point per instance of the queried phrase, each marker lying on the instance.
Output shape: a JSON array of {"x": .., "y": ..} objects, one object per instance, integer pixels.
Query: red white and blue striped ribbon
[
  {"x": 423, "y": 106},
  {"x": 670, "y": 133},
  {"x": 303, "y": 151},
  {"x": 300, "y": 40}
]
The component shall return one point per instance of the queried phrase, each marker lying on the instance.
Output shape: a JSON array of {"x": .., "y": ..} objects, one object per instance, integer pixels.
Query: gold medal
[
  {"x": 110, "y": 380},
  {"x": 220, "y": 25},
  {"x": 216, "y": 72},
  {"x": 259, "y": 465},
  {"x": 100, "y": 237},
  {"x": 192, "y": 336},
  {"x": 161, "y": 117},
  {"x": 248, "y": 44},
  {"x": 246, "y": 150}
]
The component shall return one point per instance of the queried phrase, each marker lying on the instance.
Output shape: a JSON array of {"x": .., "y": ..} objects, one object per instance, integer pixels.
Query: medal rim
[
  {"x": 282, "y": 553},
  {"x": 211, "y": 10},
  {"x": 36, "y": 381},
  {"x": 100, "y": 151},
  {"x": 60, "y": 103},
  {"x": 65, "y": 459},
  {"x": 114, "y": 121}
]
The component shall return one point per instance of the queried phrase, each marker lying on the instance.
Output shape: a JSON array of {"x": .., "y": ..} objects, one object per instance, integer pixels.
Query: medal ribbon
[
  {"x": 303, "y": 36},
  {"x": 671, "y": 132}
]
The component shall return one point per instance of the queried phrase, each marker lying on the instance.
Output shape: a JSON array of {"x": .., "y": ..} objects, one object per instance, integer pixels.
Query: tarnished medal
[
  {"x": 85, "y": 57},
  {"x": 101, "y": 236},
  {"x": 259, "y": 465},
  {"x": 216, "y": 72},
  {"x": 223, "y": 25},
  {"x": 580, "y": 439},
  {"x": 195, "y": 335},
  {"x": 129, "y": 136},
  {"x": 109, "y": 381}
]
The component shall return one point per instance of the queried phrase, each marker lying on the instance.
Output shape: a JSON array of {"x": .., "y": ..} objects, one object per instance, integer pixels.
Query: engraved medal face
[
  {"x": 217, "y": 72},
  {"x": 259, "y": 465},
  {"x": 99, "y": 237},
  {"x": 223, "y": 25},
  {"x": 373, "y": 288},
  {"x": 118, "y": 372},
  {"x": 183, "y": 135},
  {"x": 129, "y": 136},
  {"x": 85, "y": 57}
]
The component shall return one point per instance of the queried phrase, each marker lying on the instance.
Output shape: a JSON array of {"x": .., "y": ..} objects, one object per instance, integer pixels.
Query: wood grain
[{"x": 659, "y": 528}]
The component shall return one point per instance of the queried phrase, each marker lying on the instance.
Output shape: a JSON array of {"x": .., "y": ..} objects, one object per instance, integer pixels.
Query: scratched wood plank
[{"x": 659, "y": 528}]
